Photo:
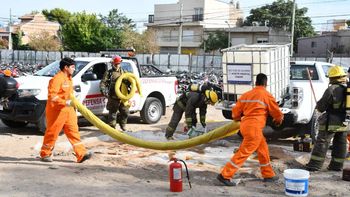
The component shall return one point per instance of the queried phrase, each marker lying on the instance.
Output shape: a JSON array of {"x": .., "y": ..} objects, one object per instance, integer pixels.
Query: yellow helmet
[
  {"x": 211, "y": 96},
  {"x": 336, "y": 71}
]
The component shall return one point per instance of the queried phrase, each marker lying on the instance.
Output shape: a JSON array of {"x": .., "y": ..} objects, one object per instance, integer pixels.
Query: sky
[{"x": 319, "y": 10}]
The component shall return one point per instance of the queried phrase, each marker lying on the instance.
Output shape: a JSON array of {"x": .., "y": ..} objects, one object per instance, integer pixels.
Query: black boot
[
  {"x": 271, "y": 179},
  {"x": 224, "y": 181},
  {"x": 87, "y": 156}
]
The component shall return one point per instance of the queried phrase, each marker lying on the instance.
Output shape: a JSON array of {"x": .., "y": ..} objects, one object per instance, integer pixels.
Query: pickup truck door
[
  {"x": 90, "y": 94},
  {"x": 135, "y": 101}
]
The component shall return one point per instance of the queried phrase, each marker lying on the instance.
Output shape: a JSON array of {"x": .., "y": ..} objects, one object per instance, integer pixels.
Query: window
[
  {"x": 313, "y": 44},
  {"x": 198, "y": 14},
  {"x": 174, "y": 35},
  {"x": 126, "y": 66},
  {"x": 53, "y": 68},
  {"x": 237, "y": 41},
  {"x": 151, "y": 18},
  {"x": 299, "y": 72},
  {"x": 188, "y": 35},
  {"x": 99, "y": 70},
  {"x": 262, "y": 40}
]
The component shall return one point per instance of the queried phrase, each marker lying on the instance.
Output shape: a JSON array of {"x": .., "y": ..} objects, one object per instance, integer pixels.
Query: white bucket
[{"x": 296, "y": 182}]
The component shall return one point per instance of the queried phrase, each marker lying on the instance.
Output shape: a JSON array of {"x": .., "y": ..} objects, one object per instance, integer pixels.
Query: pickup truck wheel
[
  {"x": 14, "y": 124},
  {"x": 151, "y": 111},
  {"x": 41, "y": 124},
  {"x": 312, "y": 127},
  {"x": 227, "y": 114},
  {"x": 315, "y": 127}
]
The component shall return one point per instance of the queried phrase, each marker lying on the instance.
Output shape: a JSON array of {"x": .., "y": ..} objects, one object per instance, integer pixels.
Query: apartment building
[
  {"x": 258, "y": 34},
  {"x": 196, "y": 18}
]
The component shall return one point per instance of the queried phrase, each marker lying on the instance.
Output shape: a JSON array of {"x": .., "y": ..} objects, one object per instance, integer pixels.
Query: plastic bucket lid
[{"x": 296, "y": 174}]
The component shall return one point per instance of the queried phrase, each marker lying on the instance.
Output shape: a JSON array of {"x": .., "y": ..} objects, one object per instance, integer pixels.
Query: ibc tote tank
[{"x": 242, "y": 63}]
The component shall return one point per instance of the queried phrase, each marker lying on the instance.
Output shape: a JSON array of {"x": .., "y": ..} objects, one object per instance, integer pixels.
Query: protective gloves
[
  {"x": 68, "y": 103},
  {"x": 105, "y": 93},
  {"x": 192, "y": 132}
]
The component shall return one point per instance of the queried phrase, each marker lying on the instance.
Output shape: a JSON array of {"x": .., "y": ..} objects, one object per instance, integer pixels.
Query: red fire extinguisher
[{"x": 175, "y": 175}]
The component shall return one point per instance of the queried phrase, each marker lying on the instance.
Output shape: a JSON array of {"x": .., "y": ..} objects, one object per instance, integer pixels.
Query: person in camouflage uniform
[
  {"x": 188, "y": 102},
  {"x": 331, "y": 123},
  {"x": 114, "y": 103}
]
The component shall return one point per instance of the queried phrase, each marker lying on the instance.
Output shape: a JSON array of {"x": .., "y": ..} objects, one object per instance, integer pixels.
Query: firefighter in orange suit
[
  {"x": 61, "y": 115},
  {"x": 252, "y": 109}
]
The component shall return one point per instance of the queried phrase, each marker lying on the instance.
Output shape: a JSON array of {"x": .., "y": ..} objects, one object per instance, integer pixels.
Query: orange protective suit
[
  {"x": 59, "y": 116},
  {"x": 252, "y": 110}
]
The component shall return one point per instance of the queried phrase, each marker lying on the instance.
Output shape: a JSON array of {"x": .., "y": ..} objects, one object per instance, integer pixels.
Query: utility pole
[
  {"x": 10, "y": 31},
  {"x": 292, "y": 30},
  {"x": 229, "y": 35},
  {"x": 180, "y": 30}
]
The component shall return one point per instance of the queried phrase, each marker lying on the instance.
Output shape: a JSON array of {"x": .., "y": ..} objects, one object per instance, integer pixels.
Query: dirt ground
[{"x": 118, "y": 169}]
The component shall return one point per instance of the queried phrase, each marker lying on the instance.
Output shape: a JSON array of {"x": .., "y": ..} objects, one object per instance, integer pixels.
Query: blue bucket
[{"x": 296, "y": 182}]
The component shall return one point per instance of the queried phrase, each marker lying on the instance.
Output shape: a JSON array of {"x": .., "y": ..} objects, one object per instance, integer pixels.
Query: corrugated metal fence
[{"x": 173, "y": 62}]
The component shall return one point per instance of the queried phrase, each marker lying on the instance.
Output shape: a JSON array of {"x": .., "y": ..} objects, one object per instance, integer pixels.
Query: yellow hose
[
  {"x": 123, "y": 93},
  {"x": 218, "y": 133}
]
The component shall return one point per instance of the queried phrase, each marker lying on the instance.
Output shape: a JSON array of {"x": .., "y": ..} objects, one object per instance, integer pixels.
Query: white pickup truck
[
  {"x": 298, "y": 105},
  {"x": 300, "y": 102},
  {"x": 28, "y": 106}
]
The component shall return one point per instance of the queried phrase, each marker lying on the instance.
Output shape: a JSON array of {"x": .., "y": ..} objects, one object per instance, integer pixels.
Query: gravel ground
[{"x": 118, "y": 169}]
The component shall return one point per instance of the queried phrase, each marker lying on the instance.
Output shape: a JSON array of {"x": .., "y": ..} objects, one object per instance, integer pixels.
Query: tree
[
  {"x": 117, "y": 20},
  {"x": 348, "y": 23},
  {"x": 149, "y": 39},
  {"x": 142, "y": 43},
  {"x": 85, "y": 32},
  {"x": 60, "y": 15},
  {"x": 44, "y": 42},
  {"x": 118, "y": 23},
  {"x": 279, "y": 15},
  {"x": 17, "y": 40},
  {"x": 215, "y": 41},
  {"x": 3, "y": 44}
]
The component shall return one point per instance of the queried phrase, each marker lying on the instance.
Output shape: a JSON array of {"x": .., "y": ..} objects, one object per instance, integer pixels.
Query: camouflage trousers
[
  {"x": 118, "y": 113},
  {"x": 175, "y": 119},
  {"x": 320, "y": 150}
]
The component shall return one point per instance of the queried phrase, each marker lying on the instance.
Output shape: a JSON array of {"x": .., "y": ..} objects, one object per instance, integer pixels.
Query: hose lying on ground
[{"x": 218, "y": 133}]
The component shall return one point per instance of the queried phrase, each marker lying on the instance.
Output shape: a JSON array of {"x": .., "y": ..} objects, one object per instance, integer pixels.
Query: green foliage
[
  {"x": 60, "y": 15},
  {"x": 85, "y": 32},
  {"x": 119, "y": 24},
  {"x": 215, "y": 41},
  {"x": 279, "y": 15},
  {"x": 348, "y": 23},
  {"x": 117, "y": 20},
  {"x": 17, "y": 40}
]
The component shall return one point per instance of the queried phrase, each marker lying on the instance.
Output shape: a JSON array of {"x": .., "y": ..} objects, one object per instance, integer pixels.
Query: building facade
[
  {"x": 195, "y": 17},
  {"x": 257, "y": 34},
  {"x": 34, "y": 24},
  {"x": 322, "y": 45}
]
